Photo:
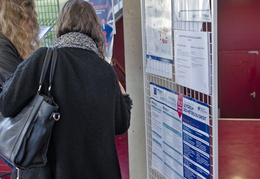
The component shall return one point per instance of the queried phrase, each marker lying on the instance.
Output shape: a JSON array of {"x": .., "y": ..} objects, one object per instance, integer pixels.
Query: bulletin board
[{"x": 180, "y": 82}]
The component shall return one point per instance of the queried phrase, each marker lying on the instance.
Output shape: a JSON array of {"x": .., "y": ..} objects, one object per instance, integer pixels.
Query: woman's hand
[{"x": 122, "y": 88}]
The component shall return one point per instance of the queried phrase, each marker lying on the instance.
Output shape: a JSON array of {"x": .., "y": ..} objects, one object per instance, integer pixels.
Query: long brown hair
[
  {"x": 80, "y": 16},
  {"x": 18, "y": 22}
]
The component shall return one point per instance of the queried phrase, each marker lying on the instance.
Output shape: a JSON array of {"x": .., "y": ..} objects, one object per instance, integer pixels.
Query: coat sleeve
[
  {"x": 123, "y": 112},
  {"x": 9, "y": 60},
  {"x": 20, "y": 89}
]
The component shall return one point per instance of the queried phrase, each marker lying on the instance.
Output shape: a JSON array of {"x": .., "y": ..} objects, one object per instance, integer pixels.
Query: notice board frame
[{"x": 210, "y": 99}]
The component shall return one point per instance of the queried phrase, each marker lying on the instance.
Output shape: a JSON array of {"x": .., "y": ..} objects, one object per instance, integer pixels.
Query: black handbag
[{"x": 24, "y": 139}]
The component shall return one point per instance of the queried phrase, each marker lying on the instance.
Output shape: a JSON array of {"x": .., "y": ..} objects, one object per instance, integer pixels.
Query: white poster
[
  {"x": 159, "y": 66},
  {"x": 192, "y": 60},
  {"x": 167, "y": 148},
  {"x": 158, "y": 31},
  {"x": 157, "y": 132},
  {"x": 192, "y": 10},
  {"x": 157, "y": 129}
]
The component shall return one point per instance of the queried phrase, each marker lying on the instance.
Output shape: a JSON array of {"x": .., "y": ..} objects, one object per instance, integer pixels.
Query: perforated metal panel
[{"x": 170, "y": 83}]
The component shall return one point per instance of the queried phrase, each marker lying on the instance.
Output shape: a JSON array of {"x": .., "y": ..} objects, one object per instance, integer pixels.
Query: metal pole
[{"x": 215, "y": 87}]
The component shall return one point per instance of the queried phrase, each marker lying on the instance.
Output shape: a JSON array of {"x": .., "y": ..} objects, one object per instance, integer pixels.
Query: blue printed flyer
[
  {"x": 180, "y": 135},
  {"x": 105, "y": 12}
]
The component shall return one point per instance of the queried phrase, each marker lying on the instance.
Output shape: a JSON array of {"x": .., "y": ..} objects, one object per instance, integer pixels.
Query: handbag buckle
[{"x": 56, "y": 116}]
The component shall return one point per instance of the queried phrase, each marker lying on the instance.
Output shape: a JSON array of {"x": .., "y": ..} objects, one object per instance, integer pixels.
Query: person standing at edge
[
  {"x": 93, "y": 106},
  {"x": 19, "y": 31}
]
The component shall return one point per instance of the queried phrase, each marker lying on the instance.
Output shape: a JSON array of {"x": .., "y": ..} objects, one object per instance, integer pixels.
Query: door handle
[
  {"x": 256, "y": 52},
  {"x": 253, "y": 94}
]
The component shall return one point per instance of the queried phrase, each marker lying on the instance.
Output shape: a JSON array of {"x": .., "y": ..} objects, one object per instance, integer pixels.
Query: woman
[
  {"x": 92, "y": 107},
  {"x": 19, "y": 31}
]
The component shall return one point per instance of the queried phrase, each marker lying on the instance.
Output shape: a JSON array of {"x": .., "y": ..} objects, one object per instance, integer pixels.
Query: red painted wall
[
  {"x": 238, "y": 25},
  {"x": 118, "y": 50},
  {"x": 238, "y": 33},
  {"x": 119, "y": 55}
]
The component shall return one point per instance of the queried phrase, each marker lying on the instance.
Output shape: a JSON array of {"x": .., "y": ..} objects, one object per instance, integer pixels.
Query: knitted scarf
[{"x": 77, "y": 40}]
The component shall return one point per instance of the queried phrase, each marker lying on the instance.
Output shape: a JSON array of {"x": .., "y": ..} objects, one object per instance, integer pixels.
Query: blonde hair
[
  {"x": 80, "y": 16},
  {"x": 18, "y": 22}
]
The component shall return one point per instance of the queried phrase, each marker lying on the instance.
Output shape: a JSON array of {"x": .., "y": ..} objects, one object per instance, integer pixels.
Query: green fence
[{"x": 48, "y": 11}]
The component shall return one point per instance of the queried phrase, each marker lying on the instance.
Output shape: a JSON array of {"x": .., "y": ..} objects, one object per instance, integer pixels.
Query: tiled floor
[
  {"x": 122, "y": 147},
  {"x": 239, "y": 149}
]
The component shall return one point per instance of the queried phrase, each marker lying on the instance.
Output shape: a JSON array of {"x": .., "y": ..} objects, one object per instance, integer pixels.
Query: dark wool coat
[
  {"x": 9, "y": 59},
  {"x": 92, "y": 107}
]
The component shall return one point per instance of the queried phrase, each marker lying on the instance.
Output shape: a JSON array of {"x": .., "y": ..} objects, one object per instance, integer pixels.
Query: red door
[{"x": 238, "y": 73}]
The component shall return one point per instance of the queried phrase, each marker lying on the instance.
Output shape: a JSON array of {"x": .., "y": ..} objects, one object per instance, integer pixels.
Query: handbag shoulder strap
[
  {"x": 45, "y": 67},
  {"x": 53, "y": 65},
  {"x": 51, "y": 56}
]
